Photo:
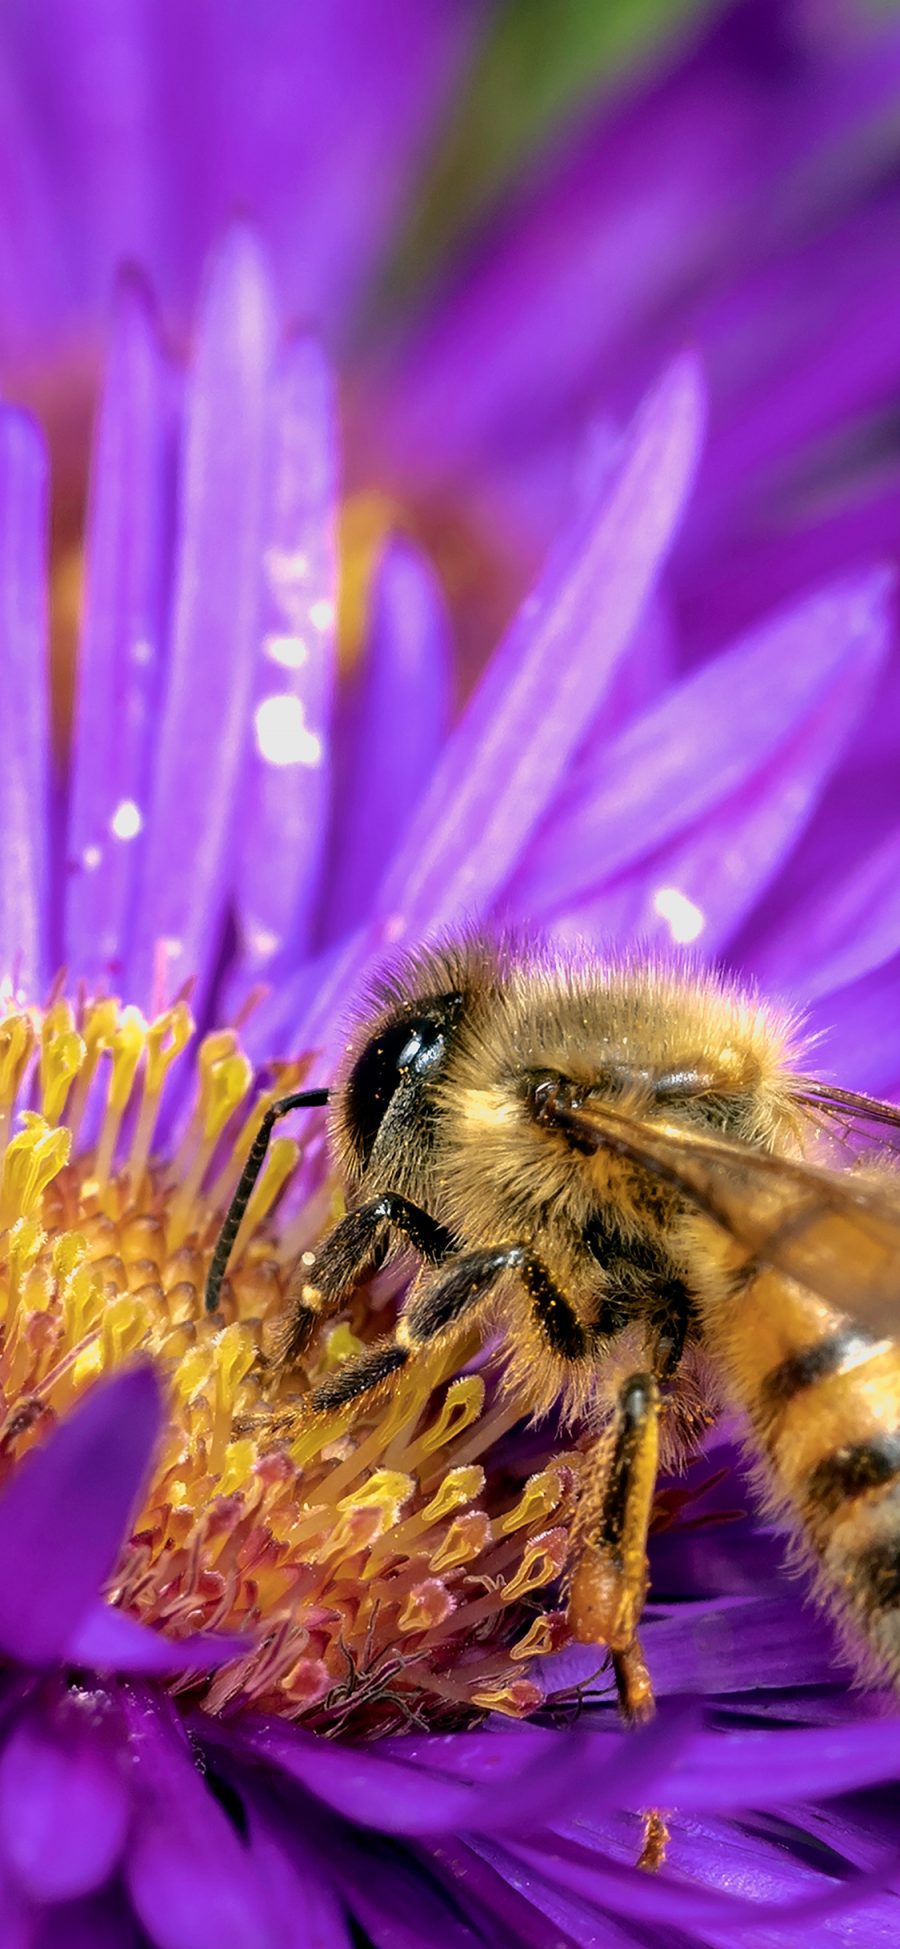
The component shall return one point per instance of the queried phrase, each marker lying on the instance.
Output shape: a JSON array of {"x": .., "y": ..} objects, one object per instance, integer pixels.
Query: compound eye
[
  {"x": 405, "y": 1049},
  {"x": 423, "y": 1048}
]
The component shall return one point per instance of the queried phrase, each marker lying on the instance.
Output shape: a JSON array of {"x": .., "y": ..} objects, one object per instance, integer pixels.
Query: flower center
[{"x": 385, "y": 1569}]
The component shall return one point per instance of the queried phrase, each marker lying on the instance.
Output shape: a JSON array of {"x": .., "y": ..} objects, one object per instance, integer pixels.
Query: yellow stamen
[
  {"x": 468, "y": 1536},
  {"x": 539, "y": 1498},
  {"x": 543, "y": 1560},
  {"x": 167, "y": 1037},
  {"x": 98, "y": 1028},
  {"x": 17, "y": 1039},
  {"x": 126, "y": 1047},
  {"x": 62, "y": 1055},
  {"x": 517, "y": 1697},
  {"x": 359, "y": 1552},
  {"x": 32, "y": 1160}
]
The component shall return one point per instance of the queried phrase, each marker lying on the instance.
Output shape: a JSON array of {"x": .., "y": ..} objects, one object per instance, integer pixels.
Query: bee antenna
[{"x": 299, "y": 1100}]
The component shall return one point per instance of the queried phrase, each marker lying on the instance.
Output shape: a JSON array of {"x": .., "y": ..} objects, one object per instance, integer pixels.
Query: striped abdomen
[{"x": 823, "y": 1400}]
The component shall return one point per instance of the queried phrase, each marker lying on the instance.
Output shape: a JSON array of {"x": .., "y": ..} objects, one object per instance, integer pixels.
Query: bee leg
[
  {"x": 445, "y": 1305},
  {"x": 636, "y": 1705},
  {"x": 323, "y": 1280},
  {"x": 439, "y": 1309},
  {"x": 609, "y": 1580}
]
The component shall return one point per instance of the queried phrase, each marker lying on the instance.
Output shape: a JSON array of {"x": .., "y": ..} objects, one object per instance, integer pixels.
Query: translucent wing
[
  {"x": 837, "y": 1234},
  {"x": 847, "y": 1108}
]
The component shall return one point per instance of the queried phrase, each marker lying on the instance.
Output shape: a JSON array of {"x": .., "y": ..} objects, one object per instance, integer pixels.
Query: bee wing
[
  {"x": 837, "y": 1235},
  {"x": 846, "y": 1107}
]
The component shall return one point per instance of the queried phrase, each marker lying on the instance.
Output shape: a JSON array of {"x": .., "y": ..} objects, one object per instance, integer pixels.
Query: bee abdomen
[
  {"x": 838, "y": 1352},
  {"x": 842, "y": 1478},
  {"x": 826, "y": 1410},
  {"x": 832, "y": 1432},
  {"x": 853, "y": 1518},
  {"x": 878, "y": 1574}
]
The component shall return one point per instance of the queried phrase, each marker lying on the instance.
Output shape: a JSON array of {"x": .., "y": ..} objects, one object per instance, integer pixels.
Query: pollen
[{"x": 382, "y": 1571}]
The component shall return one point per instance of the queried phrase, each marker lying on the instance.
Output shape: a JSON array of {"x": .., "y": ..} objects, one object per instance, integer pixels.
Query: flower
[{"x": 178, "y": 1631}]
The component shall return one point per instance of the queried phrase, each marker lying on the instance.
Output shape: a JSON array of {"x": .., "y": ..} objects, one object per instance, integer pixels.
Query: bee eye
[
  {"x": 422, "y": 1048},
  {"x": 402, "y": 1050}
]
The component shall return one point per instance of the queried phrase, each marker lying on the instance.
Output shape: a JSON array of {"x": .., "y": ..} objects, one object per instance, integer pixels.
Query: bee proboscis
[{"x": 618, "y": 1169}]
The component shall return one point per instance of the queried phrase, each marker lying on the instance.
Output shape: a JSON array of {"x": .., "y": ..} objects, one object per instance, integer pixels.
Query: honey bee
[{"x": 619, "y": 1171}]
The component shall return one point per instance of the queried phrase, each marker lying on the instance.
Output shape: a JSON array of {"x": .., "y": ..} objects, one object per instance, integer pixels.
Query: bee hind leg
[{"x": 608, "y": 1584}]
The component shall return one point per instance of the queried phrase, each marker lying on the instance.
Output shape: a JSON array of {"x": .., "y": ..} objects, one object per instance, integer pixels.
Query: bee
[{"x": 619, "y": 1171}]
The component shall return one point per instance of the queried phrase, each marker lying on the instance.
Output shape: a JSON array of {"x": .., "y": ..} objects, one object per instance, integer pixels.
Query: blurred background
[{"x": 503, "y": 218}]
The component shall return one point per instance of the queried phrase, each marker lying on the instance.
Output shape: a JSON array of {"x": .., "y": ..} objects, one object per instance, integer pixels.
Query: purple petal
[
  {"x": 722, "y": 1855},
  {"x": 856, "y": 1032},
  {"x": 503, "y": 764},
  {"x": 774, "y": 711},
  {"x": 285, "y": 791},
  {"x": 397, "y": 1904},
  {"x": 202, "y": 735},
  {"x": 601, "y": 242},
  {"x": 137, "y": 141},
  {"x": 725, "y": 1559},
  {"x": 747, "y": 576},
  {"x": 191, "y": 1879},
  {"x": 24, "y": 884},
  {"x": 677, "y": 1903},
  {"x": 711, "y": 1649},
  {"x": 646, "y": 670},
  {"x": 827, "y": 944},
  {"x": 727, "y": 158},
  {"x": 398, "y": 724},
  {"x": 740, "y": 1645},
  {"x": 123, "y": 638},
  {"x": 66, "y": 1510},
  {"x": 17, "y": 1922},
  {"x": 321, "y": 117},
  {"x": 383, "y": 1789},
  {"x": 523, "y": 1902},
  {"x": 861, "y": 1826},
  {"x": 64, "y": 1804},
  {"x": 309, "y": 1913},
  {"x": 303, "y": 1002},
  {"x": 100, "y": 1922},
  {"x": 802, "y": 378},
  {"x": 706, "y": 882},
  {"x": 774, "y": 1861},
  {"x": 108, "y": 1640},
  {"x": 727, "y": 1771}
]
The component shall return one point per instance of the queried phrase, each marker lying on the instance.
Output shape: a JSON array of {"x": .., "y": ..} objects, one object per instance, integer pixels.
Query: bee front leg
[
  {"x": 444, "y": 1306},
  {"x": 447, "y": 1305},
  {"x": 609, "y": 1581},
  {"x": 322, "y": 1281}
]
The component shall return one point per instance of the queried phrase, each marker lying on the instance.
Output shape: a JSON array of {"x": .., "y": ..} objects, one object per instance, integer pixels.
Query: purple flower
[
  {"x": 173, "y": 1642},
  {"x": 272, "y": 1690}
]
